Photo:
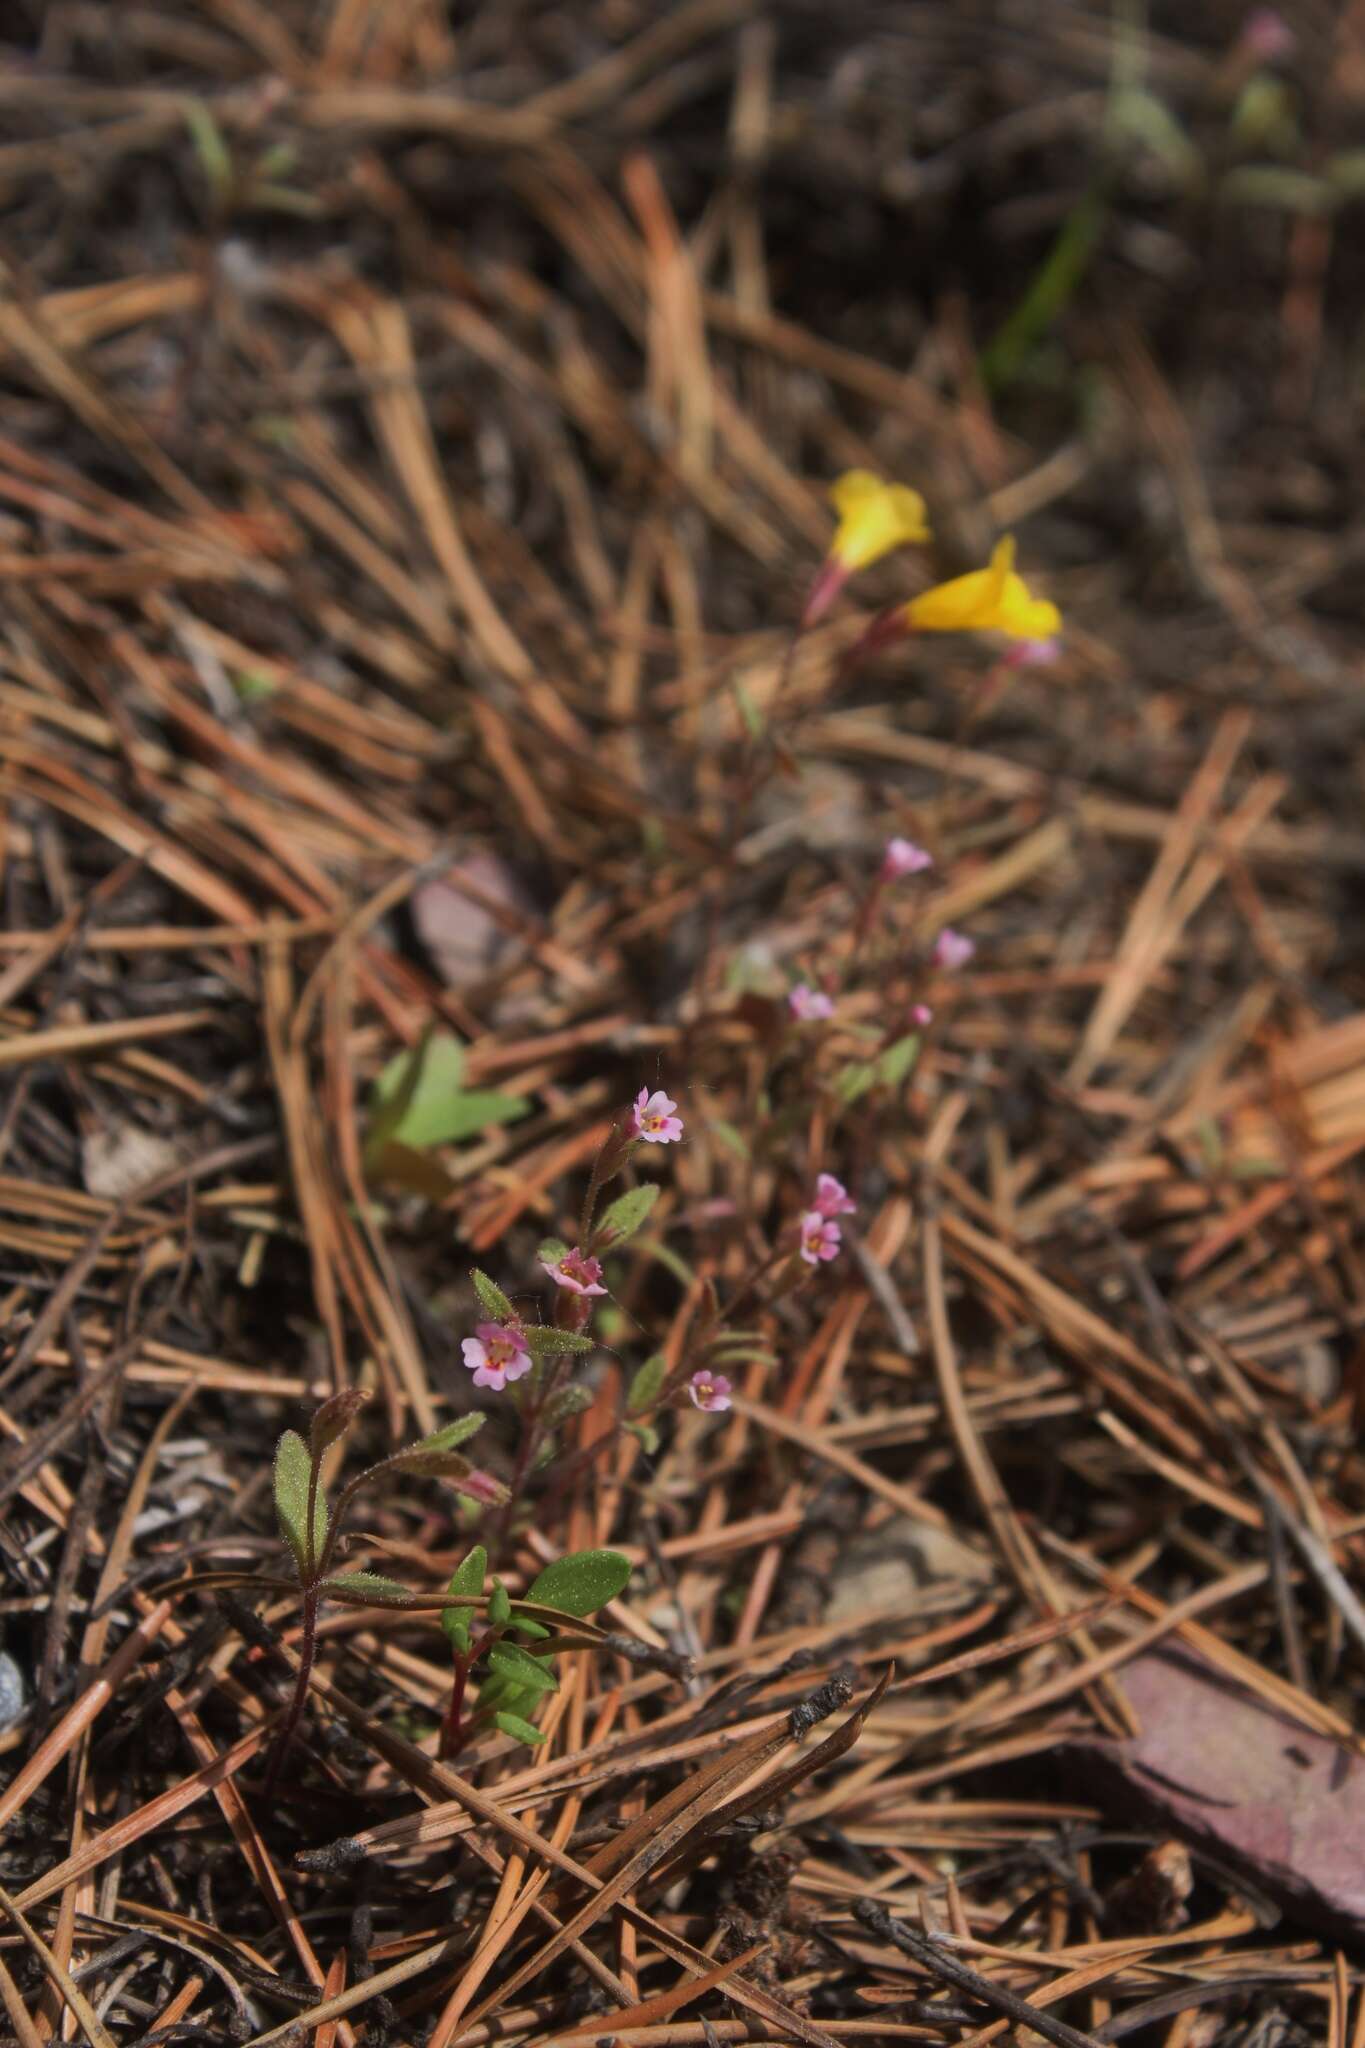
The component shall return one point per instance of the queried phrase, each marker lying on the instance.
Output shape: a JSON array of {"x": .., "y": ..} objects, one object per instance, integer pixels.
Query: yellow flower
[
  {"x": 993, "y": 600},
  {"x": 873, "y": 518}
]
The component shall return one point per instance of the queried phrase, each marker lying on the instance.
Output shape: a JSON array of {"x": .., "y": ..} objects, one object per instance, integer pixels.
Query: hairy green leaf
[
  {"x": 543, "y": 1341},
  {"x": 492, "y": 1299},
  {"x": 367, "y": 1586},
  {"x": 521, "y": 1668},
  {"x": 628, "y": 1213},
  {"x": 581, "y": 1583},
  {"x": 644, "y": 1388},
  {"x": 467, "y": 1581},
  {"x": 293, "y": 1467},
  {"x": 512, "y": 1724},
  {"x": 567, "y": 1402}
]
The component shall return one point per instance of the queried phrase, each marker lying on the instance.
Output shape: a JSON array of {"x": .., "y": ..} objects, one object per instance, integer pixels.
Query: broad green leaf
[
  {"x": 466, "y": 1581},
  {"x": 521, "y": 1667},
  {"x": 582, "y": 1583},
  {"x": 419, "y": 1100},
  {"x": 628, "y": 1213},
  {"x": 644, "y": 1388},
  {"x": 292, "y": 1469},
  {"x": 567, "y": 1402},
  {"x": 895, "y": 1063},
  {"x": 543, "y": 1341},
  {"x": 367, "y": 1586},
  {"x": 492, "y": 1299},
  {"x": 853, "y": 1081},
  {"x": 512, "y": 1724}
]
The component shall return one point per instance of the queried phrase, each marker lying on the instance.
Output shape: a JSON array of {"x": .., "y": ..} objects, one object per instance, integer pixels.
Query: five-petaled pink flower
[
  {"x": 577, "y": 1272},
  {"x": 821, "y": 1237},
  {"x": 496, "y": 1354},
  {"x": 952, "y": 949},
  {"x": 810, "y": 1005},
  {"x": 709, "y": 1390},
  {"x": 831, "y": 1199},
  {"x": 903, "y": 857},
  {"x": 653, "y": 1119}
]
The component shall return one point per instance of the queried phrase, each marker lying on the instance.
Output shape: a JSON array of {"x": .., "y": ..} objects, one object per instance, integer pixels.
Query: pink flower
[
  {"x": 577, "y": 1272},
  {"x": 903, "y": 857},
  {"x": 482, "y": 1486},
  {"x": 952, "y": 949},
  {"x": 496, "y": 1354},
  {"x": 921, "y": 1015},
  {"x": 831, "y": 1197},
  {"x": 1267, "y": 35},
  {"x": 809, "y": 1005},
  {"x": 821, "y": 1237},
  {"x": 1032, "y": 653},
  {"x": 709, "y": 1390},
  {"x": 653, "y": 1120}
]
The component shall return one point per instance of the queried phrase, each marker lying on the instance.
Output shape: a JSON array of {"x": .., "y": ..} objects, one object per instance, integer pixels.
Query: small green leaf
[
  {"x": 582, "y": 1583},
  {"x": 646, "y": 1435},
  {"x": 512, "y": 1724},
  {"x": 492, "y": 1299},
  {"x": 552, "y": 1251},
  {"x": 522, "y": 1668},
  {"x": 524, "y": 1625},
  {"x": 543, "y": 1341},
  {"x": 293, "y": 1468},
  {"x": 466, "y": 1581},
  {"x": 898, "y": 1059},
  {"x": 215, "y": 158},
  {"x": 499, "y": 1604},
  {"x": 567, "y": 1402},
  {"x": 334, "y": 1418},
  {"x": 852, "y": 1082},
  {"x": 644, "y": 1388},
  {"x": 367, "y": 1587},
  {"x": 628, "y": 1213},
  {"x": 748, "y": 710},
  {"x": 421, "y": 1463},
  {"x": 450, "y": 1435}
]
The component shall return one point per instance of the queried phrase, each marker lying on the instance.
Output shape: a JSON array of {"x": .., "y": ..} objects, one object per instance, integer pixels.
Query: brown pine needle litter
[{"x": 680, "y": 759}]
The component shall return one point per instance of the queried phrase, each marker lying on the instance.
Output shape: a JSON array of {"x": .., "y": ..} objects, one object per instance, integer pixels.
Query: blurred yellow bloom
[
  {"x": 993, "y": 600},
  {"x": 874, "y": 518}
]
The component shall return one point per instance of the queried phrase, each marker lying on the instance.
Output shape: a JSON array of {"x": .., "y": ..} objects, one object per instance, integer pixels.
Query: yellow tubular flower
[
  {"x": 874, "y": 518},
  {"x": 993, "y": 600}
]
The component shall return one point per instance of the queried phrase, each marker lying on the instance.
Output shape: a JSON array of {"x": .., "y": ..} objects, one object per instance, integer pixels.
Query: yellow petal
[
  {"x": 993, "y": 600},
  {"x": 874, "y": 518}
]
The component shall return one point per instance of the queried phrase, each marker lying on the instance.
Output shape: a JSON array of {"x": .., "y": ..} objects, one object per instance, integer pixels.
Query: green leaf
[
  {"x": 293, "y": 1468},
  {"x": 582, "y": 1583},
  {"x": 403, "y": 1166},
  {"x": 215, "y": 158},
  {"x": 552, "y": 1251},
  {"x": 518, "y": 1665},
  {"x": 748, "y": 710},
  {"x": 646, "y": 1435},
  {"x": 448, "y": 1437},
  {"x": 492, "y": 1299},
  {"x": 367, "y": 1586},
  {"x": 568, "y": 1401},
  {"x": 499, "y": 1604},
  {"x": 628, "y": 1213},
  {"x": 421, "y": 1463},
  {"x": 644, "y": 1388},
  {"x": 853, "y": 1081},
  {"x": 466, "y": 1581},
  {"x": 512, "y": 1724},
  {"x": 419, "y": 1101},
  {"x": 898, "y": 1059},
  {"x": 543, "y": 1341},
  {"x": 524, "y": 1625}
]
